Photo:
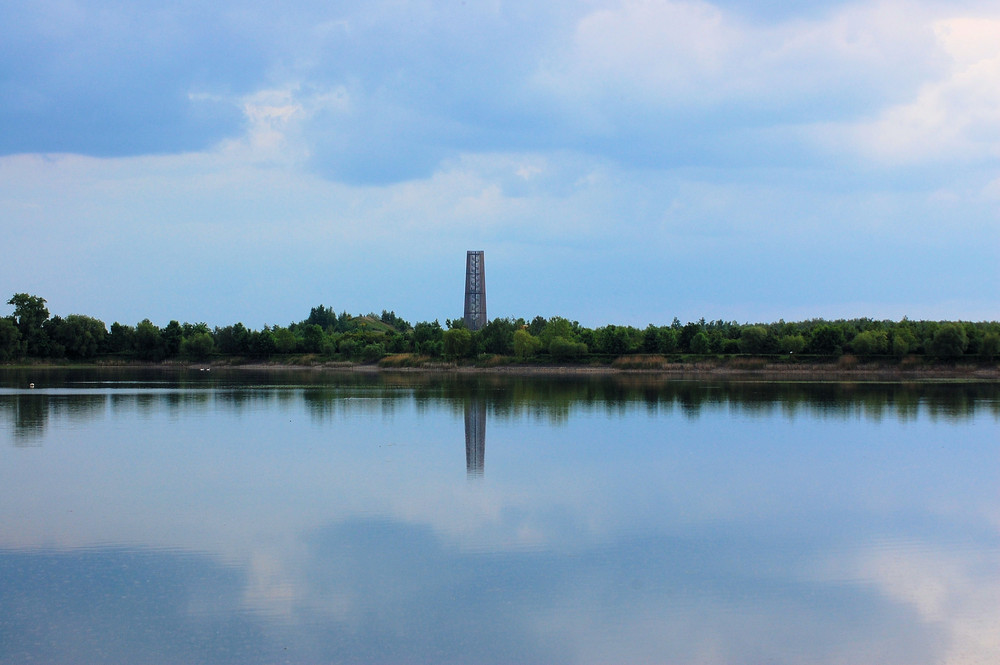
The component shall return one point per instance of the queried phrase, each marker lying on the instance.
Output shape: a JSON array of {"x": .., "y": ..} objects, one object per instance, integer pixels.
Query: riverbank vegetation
[{"x": 30, "y": 332}]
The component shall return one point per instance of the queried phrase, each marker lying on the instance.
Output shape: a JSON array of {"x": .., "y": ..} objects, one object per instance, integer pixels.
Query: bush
[
  {"x": 372, "y": 352},
  {"x": 348, "y": 347}
]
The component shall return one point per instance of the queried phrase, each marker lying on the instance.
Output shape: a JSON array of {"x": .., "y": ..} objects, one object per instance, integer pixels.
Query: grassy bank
[{"x": 679, "y": 366}]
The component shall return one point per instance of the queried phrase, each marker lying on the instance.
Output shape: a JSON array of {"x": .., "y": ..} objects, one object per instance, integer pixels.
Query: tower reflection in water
[{"x": 475, "y": 437}]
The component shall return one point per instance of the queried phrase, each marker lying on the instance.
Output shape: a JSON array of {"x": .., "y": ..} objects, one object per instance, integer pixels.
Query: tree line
[{"x": 30, "y": 332}]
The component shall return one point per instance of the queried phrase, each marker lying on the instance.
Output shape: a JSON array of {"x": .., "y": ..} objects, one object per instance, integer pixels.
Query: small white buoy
[{"x": 31, "y": 385}]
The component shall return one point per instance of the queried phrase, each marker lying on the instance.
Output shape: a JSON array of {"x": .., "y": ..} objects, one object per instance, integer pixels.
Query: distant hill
[{"x": 371, "y": 324}]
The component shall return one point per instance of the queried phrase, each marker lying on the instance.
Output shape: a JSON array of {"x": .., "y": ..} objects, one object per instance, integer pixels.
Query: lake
[{"x": 240, "y": 516}]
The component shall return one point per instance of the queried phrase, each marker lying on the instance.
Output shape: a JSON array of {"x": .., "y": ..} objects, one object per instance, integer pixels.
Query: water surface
[{"x": 242, "y": 517}]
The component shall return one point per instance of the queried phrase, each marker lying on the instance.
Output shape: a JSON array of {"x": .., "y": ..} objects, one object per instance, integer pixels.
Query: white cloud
[
  {"x": 689, "y": 54},
  {"x": 952, "y": 117},
  {"x": 267, "y": 120},
  {"x": 528, "y": 171},
  {"x": 528, "y": 176},
  {"x": 665, "y": 45},
  {"x": 277, "y": 122}
]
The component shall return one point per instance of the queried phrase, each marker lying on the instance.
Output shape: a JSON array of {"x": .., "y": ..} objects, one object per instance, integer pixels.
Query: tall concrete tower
[{"x": 475, "y": 290}]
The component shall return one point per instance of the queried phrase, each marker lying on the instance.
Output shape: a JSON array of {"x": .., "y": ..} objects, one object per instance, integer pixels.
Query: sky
[{"x": 621, "y": 162}]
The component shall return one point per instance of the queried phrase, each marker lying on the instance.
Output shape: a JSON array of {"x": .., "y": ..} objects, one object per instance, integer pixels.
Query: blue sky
[{"x": 619, "y": 162}]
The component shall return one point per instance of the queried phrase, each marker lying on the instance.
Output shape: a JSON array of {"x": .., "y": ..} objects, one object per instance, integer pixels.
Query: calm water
[{"x": 210, "y": 517}]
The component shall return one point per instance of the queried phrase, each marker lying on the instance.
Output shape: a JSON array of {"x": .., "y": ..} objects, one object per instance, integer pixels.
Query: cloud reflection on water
[
  {"x": 379, "y": 590},
  {"x": 617, "y": 522}
]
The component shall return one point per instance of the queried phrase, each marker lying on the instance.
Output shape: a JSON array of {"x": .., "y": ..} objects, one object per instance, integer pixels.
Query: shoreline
[
  {"x": 720, "y": 369},
  {"x": 680, "y": 371}
]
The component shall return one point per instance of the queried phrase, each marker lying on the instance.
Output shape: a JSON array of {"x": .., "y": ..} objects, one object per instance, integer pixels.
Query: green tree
[
  {"x": 198, "y": 346},
  {"x": 754, "y": 340},
  {"x": 121, "y": 339},
  {"x": 396, "y": 342},
  {"x": 618, "y": 340},
  {"x": 233, "y": 340},
  {"x": 649, "y": 339},
  {"x": 667, "y": 339},
  {"x": 312, "y": 338},
  {"x": 903, "y": 341},
  {"x": 29, "y": 312},
  {"x": 30, "y": 316},
  {"x": 457, "y": 342},
  {"x": 10, "y": 340},
  {"x": 561, "y": 348},
  {"x": 149, "y": 341},
  {"x": 372, "y": 352},
  {"x": 427, "y": 332},
  {"x": 870, "y": 343},
  {"x": 427, "y": 338},
  {"x": 390, "y": 319},
  {"x": 52, "y": 333},
  {"x": 284, "y": 340},
  {"x": 537, "y": 325},
  {"x": 348, "y": 346},
  {"x": 700, "y": 343},
  {"x": 687, "y": 333},
  {"x": 557, "y": 326},
  {"x": 826, "y": 340},
  {"x": 192, "y": 329},
  {"x": 324, "y": 317},
  {"x": 949, "y": 341},
  {"x": 659, "y": 339},
  {"x": 171, "y": 337},
  {"x": 498, "y": 336},
  {"x": 525, "y": 344},
  {"x": 261, "y": 343},
  {"x": 80, "y": 336},
  {"x": 792, "y": 344},
  {"x": 974, "y": 335},
  {"x": 328, "y": 347},
  {"x": 989, "y": 348}
]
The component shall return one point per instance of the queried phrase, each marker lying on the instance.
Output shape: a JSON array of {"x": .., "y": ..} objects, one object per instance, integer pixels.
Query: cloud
[
  {"x": 100, "y": 78},
  {"x": 661, "y": 48},
  {"x": 649, "y": 83},
  {"x": 597, "y": 144},
  {"x": 271, "y": 239},
  {"x": 690, "y": 55},
  {"x": 954, "y": 117}
]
